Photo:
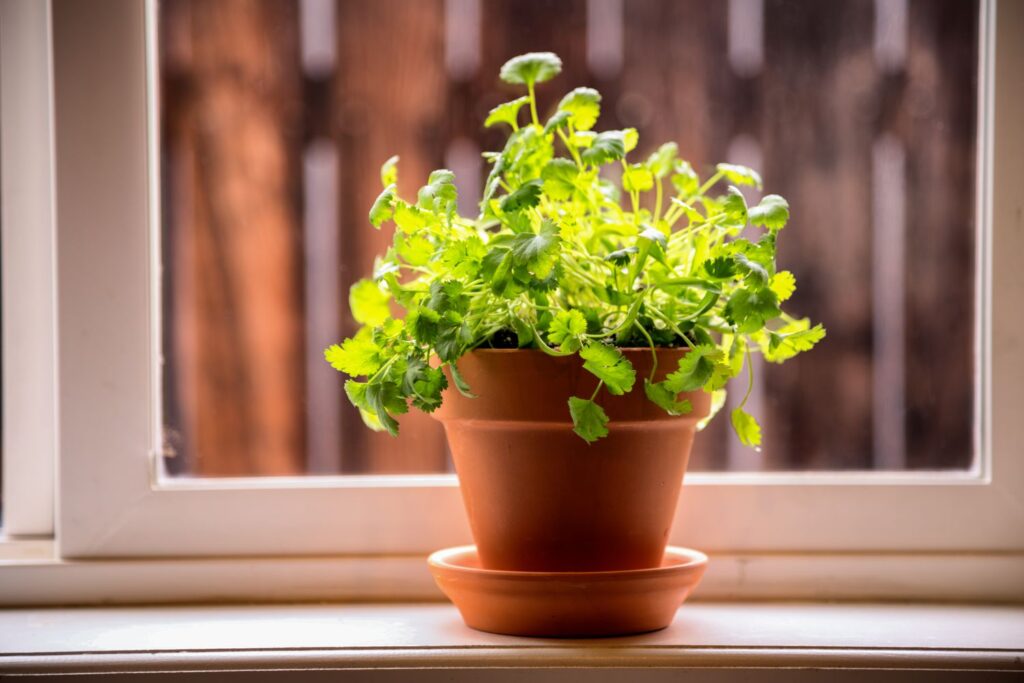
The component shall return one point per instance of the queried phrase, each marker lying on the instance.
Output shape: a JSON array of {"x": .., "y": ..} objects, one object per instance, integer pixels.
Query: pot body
[{"x": 539, "y": 498}]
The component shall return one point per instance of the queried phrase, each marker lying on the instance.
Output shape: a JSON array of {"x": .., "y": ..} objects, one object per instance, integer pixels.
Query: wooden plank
[
  {"x": 938, "y": 120},
  {"x": 817, "y": 130},
  {"x": 388, "y": 99},
  {"x": 232, "y": 236}
]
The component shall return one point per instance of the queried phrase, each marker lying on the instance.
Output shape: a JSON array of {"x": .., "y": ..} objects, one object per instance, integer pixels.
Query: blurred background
[{"x": 276, "y": 116}]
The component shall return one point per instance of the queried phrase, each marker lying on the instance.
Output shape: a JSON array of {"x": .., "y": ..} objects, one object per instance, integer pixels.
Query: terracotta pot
[{"x": 539, "y": 498}]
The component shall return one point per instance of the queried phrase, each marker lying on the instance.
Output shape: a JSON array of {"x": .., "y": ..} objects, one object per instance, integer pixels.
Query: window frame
[
  {"x": 28, "y": 287},
  {"x": 113, "y": 503}
]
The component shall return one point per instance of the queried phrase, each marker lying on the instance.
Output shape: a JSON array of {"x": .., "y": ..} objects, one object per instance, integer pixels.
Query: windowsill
[{"x": 416, "y": 636}]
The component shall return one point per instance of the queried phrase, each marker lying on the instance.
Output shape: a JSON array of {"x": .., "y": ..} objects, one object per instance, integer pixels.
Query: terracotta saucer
[{"x": 567, "y": 604}]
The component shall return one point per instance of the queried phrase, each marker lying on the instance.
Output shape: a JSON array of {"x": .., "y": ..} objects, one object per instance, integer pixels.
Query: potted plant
[{"x": 572, "y": 336}]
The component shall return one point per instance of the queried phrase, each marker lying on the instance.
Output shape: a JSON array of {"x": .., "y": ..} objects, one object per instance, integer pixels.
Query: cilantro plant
[{"x": 580, "y": 247}]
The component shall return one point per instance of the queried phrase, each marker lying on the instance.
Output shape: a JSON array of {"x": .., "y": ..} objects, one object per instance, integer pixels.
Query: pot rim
[
  {"x": 694, "y": 559},
  {"x": 646, "y": 349}
]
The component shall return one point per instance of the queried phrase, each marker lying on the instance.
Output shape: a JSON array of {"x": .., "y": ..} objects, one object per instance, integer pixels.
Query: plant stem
[{"x": 533, "y": 104}]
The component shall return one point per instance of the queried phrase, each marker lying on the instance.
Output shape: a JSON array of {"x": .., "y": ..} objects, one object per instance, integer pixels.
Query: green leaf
[
  {"x": 584, "y": 104},
  {"x": 424, "y": 384},
  {"x": 383, "y": 206},
  {"x": 389, "y": 171},
  {"x": 567, "y": 329},
  {"x": 609, "y": 365},
  {"x": 357, "y": 356},
  {"x": 755, "y": 274},
  {"x": 749, "y": 309},
  {"x": 533, "y": 67},
  {"x": 637, "y": 178},
  {"x": 537, "y": 252},
  {"x": 439, "y": 194},
  {"x": 606, "y": 147},
  {"x": 368, "y": 303},
  {"x": 783, "y": 284},
  {"x": 588, "y": 419},
  {"x": 524, "y": 197},
  {"x": 772, "y": 212},
  {"x": 356, "y": 392},
  {"x": 507, "y": 112},
  {"x": 662, "y": 161},
  {"x": 460, "y": 381},
  {"x": 384, "y": 400},
  {"x": 685, "y": 179},
  {"x": 695, "y": 369},
  {"x": 415, "y": 249},
  {"x": 559, "y": 177},
  {"x": 734, "y": 207},
  {"x": 630, "y": 138},
  {"x": 741, "y": 175},
  {"x": 410, "y": 218},
  {"x": 662, "y": 396},
  {"x": 558, "y": 120},
  {"x": 746, "y": 428},
  {"x": 720, "y": 267},
  {"x": 620, "y": 257},
  {"x": 791, "y": 340},
  {"x": 501, "y": 275}
]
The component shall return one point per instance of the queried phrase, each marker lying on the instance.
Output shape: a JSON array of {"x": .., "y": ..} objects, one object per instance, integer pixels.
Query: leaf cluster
[{"x": 580, "y": 247}]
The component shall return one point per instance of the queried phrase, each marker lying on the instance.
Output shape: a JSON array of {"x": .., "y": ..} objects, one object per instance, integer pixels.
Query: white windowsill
[{"x": 340, "y": 637}]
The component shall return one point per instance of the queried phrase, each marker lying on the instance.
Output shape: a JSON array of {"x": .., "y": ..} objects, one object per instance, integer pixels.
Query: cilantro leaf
[
  {"x": 559, "y": 119},
  {"x": 385, "y": 400},
  {"x": 439, "y": 194},
  {"x": 662, "y": 161},
  {"x": 383, "y": 206},
  {"x": 746, "y": 427},
  {"x": 567, "y": 329},
  {"x": 720, "y": 267},
  {"x": 694, "y": 369},
  {"x": 559, "y": 177},
  {"x": 589, "y": 420},
  {"x": 685, "y": 179},
  {"x": 584, "y": 105},
  {"x": 783, "y": 284},
  {"x": 424, "y": 384},
  {"x": 772, "y": 212},
  {"x": 734, "y": 208},
  {"x": 356, "y": 356},
  {"x": 749, "y": 309},
  {"x": 662, "y": 396},
  {"x": 637, "y": 178},
  {"x": 524, "y": 197},
  {"x": 606, "y": 147},
  {"x": 791, "y": 340},
  {"x": 609, "y": 365},
  {"x": 533, "y": 67},
  {"x": 410, "y": 218},
  {"x": 368, "y": 303},
  {"x": 389, "y": 171},
  {"x": 537, "y": 252},
  {"x": 416, "y": 250},
  {"x": 507, "y": 112},
  {"x": 460, "y": 382},
  {"x": 741, "y": 175}
]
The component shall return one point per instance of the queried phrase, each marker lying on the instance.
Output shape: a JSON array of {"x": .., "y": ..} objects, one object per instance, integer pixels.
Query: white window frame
[
  {"x": 113, "y": 503},
  {"x": 27, "y": 231}
]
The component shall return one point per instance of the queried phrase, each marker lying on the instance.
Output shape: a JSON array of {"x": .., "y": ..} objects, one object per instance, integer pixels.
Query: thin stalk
[{"x": 533, "y": 104}]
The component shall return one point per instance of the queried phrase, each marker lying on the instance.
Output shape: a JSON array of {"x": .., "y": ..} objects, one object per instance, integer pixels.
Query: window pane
[{"x": 276, "y": 117}]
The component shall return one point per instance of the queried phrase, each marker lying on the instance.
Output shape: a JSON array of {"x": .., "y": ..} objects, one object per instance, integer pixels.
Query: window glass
[{"x": 276, "y": 116}]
